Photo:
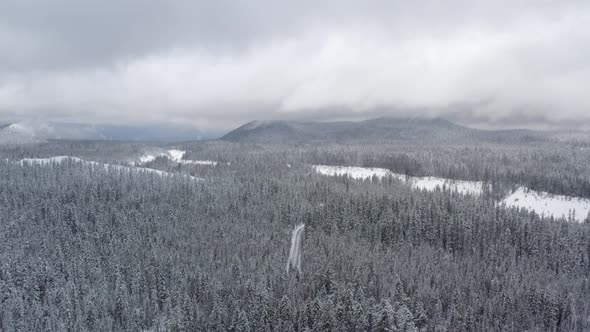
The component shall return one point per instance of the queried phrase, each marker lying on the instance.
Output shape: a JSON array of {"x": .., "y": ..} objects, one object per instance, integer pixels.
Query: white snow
[
  {"x": 546, "y": 204},
  {"x": 353, "y": 171},
  {"x": 176, "y": 155},
  {"x": 199, "y": 162},
  {"x": 47, "y": 161},
  {"x": 108, "y": 167},
  {"x": 429, "y": 183},
  {"x": 146, "y": 159},
  {"x": 542, "y": 203}
]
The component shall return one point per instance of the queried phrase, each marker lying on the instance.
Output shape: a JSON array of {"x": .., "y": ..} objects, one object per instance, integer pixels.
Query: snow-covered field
[
  {"x": 174, "y": 155},
  {"x": 429, "y": 183},
  {"x": 542, "y": 203},
  {"x": 47, "y": 161},
  {"x": 353, "y": 171},
  {"x": 107, "y": 167},
  {"x": 146, "y": 159},
  {"x": 199, "y": 162},
  {"x": 547, "y": 204}
]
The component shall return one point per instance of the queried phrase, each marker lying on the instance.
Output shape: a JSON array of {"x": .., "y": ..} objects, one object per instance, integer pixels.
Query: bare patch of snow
[{"x": 546, "y": 204}]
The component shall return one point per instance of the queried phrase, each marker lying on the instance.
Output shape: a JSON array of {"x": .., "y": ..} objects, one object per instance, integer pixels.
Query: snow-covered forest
[
  {"x": 294, "y": 166},
  {"x": 108, "y": 248}
]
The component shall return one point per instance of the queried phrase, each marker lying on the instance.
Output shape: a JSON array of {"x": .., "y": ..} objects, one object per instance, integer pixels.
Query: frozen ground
[{"x": 547, "y": 204}]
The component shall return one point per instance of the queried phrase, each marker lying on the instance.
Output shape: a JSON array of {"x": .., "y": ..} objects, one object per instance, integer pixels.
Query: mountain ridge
[{"x": 383, "y": 129}]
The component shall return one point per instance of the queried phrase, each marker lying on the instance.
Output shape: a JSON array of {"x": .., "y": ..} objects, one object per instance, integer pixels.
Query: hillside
[
  {"x": 16, "y": 134},
  {"x": 372, "y": 131}
]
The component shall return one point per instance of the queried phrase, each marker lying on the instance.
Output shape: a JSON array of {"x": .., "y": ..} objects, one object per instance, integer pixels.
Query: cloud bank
[{"x": 216, "y": 64}]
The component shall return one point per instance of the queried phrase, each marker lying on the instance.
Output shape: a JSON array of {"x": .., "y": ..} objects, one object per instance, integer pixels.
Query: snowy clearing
[
  {"x": 429, "y": 183},
  {"x": 199, "y": 162},
  {"x": 542, "y": 203},
  {"x": 47, "y": 161},
  {"x": 354, "y": 172},
  {"x": 107, "y": 167},
  {"x": 146, "y": 159},
  {"x": 174, "y": 155},
  {"x": 546, "y": 204}
]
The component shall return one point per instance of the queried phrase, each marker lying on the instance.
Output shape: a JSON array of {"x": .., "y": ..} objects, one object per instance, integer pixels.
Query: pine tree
[
  {"x": 420, "y": 317},
  {"x": 242, "y": 324},
  {"x": 217, "y": 318},
  {"x": 285, "y": 309},
  {"x": 405, "y": 320},
  {"x": 386, "y": 322},
  {"x": 327, "y": 320}
]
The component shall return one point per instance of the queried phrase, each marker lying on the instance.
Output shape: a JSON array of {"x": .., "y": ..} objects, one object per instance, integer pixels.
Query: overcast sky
[{"x": 219, "y": 63}]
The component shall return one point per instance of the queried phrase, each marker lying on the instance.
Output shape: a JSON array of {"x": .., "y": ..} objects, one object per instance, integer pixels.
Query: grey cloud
[
  {"x": 60, "y": 33},
  {"x": 219, "y": 63}
]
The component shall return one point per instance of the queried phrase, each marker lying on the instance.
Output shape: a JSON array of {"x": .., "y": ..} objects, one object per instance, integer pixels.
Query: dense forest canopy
[{"x": 86, "y": 248}]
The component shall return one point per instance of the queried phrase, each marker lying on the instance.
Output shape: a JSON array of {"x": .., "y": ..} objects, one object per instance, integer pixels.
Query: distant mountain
[
  {"x": 17, "y": 134},
  {"x": 35, "y": 132},
  {"x": 371, "y": 131}
]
